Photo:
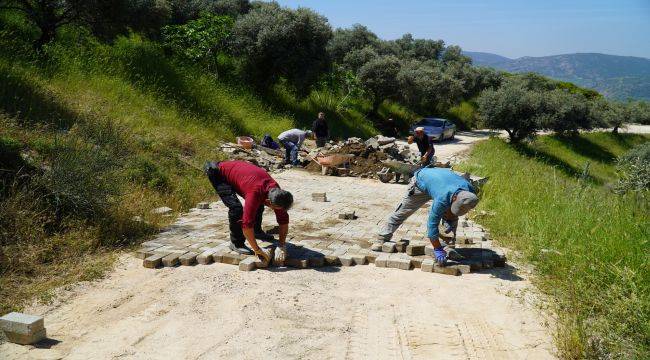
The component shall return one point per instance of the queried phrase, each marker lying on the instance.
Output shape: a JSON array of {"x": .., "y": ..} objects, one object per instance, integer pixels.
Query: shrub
[
  {"x": 146, "y": 172},
  {"x": 634, "y": 169},
  {"x": 279, "y": 42},
  {"x": 379, "y": 77}
]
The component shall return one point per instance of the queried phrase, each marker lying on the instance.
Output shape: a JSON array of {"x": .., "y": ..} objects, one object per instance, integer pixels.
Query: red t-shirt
[{"x": 253, "y": 184}]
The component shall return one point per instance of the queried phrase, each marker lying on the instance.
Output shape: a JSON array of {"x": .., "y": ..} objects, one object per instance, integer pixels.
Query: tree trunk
[
  {"x": 48, "y": 31},
  {"x": 615, "y": 129}
]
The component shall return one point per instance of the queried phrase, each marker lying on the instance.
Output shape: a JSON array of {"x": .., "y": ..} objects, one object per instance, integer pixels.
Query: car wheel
[{"x": 453, "y": 134}]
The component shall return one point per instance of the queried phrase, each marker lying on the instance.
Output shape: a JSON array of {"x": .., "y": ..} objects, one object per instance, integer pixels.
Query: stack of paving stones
[
  {"x": 22, "y": 328},
  {"x": 172, "y": 249}
]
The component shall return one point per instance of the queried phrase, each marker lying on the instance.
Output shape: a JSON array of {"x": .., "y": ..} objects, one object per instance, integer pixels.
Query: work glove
[
  {"x": 280, "y": 255},
  {"x": 263, "y": 256},
  {"x": 441, "y": 255}
]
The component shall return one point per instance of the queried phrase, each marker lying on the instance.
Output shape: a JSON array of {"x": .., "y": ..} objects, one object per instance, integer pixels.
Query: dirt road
[{"x": 362, "y": 312}]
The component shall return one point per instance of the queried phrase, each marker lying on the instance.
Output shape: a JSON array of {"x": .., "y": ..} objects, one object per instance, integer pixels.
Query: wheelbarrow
[
  {"x": 334, "y": 161},
  {"x": 395, "y": 170}
]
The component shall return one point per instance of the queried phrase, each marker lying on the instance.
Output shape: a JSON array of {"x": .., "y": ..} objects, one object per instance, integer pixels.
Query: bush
[
  {"x": 379, "y": 77},
  {"x": 279, "y": 42},
  {"x": 145, "y": 172},
  {"x": 512, "y": 108},
  {"x": 634, "y": 169}
]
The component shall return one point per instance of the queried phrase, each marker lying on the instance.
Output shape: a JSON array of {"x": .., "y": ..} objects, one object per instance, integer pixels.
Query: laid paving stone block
[
  {"x": 414, "y": 249},
  {"x": 144, "y": 253},
  {"x": 382, "y": 260},
  {"x": 316, "y": 261},
  {"x": 416, "y": 262},
  {"x": 359, "y": 259},
  {"x": 376, "y": 247},
  {"x": 188, "y": 259},
  {"x": 427, "y": 265},
  {"x": 171, "y": 259},
  {"x": 464, "y": 269},
  {"x": 372, "y": 256},
  {"x": 446, "y": 270},
  {"x": 332, "y": 260},
  {"x": 203, "y": 205},
  {"x": 248, "y": 264},
  {"x": 297, "y": 263},
  {"x": 403, "y": 264},
  {"x": 401, "y": 245},
  {"x": 231, "y": 258},
  {"x": 388, "y": 247},
  {"x": 428, "y": 250},
  {"x": 154, "y": 260},
  {"x": 205, "y": 257},
  {"x": 346, "y": 260}
]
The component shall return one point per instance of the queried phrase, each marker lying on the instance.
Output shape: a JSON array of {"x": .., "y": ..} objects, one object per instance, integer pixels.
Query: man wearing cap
[
  {"x": 452, "y": 196},
  {"x": 425, "y": 145},
  {"x": 292, "y": 141},
  {"x": 257, "y": 187}
]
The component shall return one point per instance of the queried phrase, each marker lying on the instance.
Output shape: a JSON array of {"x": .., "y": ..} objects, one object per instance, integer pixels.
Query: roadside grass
[{"x": 590, "y": 247}]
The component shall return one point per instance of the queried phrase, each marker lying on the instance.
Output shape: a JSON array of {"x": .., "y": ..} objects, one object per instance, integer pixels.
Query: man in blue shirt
[{"x": 452, "y": 195}]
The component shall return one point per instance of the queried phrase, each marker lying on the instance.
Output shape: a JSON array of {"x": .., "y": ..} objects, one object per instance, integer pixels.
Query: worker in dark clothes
[
  {"x": 425, "y": 145},
  {"x": 391, "y": 128},
  {"x": 321, "y": 130},
  {"x": 257, "y": 187}
]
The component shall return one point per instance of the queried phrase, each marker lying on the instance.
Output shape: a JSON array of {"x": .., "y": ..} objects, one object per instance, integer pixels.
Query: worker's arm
[
  {"x": 284, "y": 230},
  {"x": 435, "y": 214},
  {"x": 252, "y": 202}
]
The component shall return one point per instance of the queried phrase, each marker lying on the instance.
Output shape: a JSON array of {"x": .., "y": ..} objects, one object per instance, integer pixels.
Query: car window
[{"x": 431, "y": 122}]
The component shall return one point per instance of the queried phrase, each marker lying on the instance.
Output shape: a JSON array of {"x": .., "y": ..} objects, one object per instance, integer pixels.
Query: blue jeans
[{"x": 291, "y": 153}]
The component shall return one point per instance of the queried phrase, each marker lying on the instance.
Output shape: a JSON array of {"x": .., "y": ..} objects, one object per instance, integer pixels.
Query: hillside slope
[{"x": 618, "y": 77}]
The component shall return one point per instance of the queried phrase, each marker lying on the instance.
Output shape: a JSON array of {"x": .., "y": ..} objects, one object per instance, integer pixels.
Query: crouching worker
[
  {"x": 452, "y": 195},
  {"x": 257, "y": 187},
  {"x": 292, "y": 141}
]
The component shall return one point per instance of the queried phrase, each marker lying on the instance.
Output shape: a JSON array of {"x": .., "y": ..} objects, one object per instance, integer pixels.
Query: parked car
[{"x": 436, "y": 128}]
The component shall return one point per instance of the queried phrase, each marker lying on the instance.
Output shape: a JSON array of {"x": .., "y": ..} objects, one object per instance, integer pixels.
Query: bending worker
[
  {"x": 452, "y": 195},
  {"x": 292, "y": 141},
  {"x": 425, "y": 145},
  {"x": 257, "y": 187}
]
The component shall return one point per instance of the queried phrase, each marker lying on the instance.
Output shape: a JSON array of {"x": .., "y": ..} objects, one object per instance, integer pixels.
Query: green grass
[{"x": 590, "y": 247}]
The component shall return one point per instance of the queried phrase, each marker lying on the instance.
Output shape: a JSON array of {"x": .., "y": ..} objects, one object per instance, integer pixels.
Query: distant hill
[{"x": 618, "y": 77}]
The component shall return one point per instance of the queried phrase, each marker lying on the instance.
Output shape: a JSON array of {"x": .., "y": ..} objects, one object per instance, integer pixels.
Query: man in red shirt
[{"x": 257, "y": 187}]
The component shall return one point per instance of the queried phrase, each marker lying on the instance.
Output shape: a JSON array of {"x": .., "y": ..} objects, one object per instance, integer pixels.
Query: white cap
[{"x": 419, "y": 128}]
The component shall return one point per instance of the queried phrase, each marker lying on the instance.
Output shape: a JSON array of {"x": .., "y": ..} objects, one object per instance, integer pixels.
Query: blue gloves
[{"x": 441, "y": 255}]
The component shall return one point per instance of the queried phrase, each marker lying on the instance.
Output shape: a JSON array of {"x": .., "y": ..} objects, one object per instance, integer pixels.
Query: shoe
[
  {"x": 241, "y": 249},
  {"x": 264, "y": 236}
]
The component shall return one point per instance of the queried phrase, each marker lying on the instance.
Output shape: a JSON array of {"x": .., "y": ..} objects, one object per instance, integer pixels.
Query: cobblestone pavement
[
  {"x": 337, "y": 232},
  {"x": 216, "y": 311}
]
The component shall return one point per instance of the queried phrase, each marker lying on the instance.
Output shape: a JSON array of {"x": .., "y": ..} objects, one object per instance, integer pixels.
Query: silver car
[{"x": 436, "y": 128}]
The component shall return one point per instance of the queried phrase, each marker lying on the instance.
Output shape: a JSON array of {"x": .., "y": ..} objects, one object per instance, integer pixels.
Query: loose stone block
[
  {"x": 388, "y": 247},
  {"x": 447, "y": 270},
  {"x": 382, "y": 260},
  {"x": 297, "y": 263},
  {"x": 26, "y": 339},
  {"x": 203, "y": 205},
  {"x": 319, "y": 197},
  {"x": 346, "y": 260},
  {"x": 347, "y": 216},
  {"x": 205, "y": 257},
  {"x": 171, "y": 259},
  {"x": 154, "y": 260},
  {"x": 248, "y": 264},
  {"x": 20, "y": 323},
  {"x": 415, "y": 250},
  {"x": 427, "y": 265},
  {"x": 188, "y": 259}
]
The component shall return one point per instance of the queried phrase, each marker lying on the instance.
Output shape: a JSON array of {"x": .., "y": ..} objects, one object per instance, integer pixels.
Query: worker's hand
[
  {"x": 280, "y": 255},
  {"x": 264, "y": 256},
  {"x": 410, "y": 140},
  {"x": 441, "y": 255}
]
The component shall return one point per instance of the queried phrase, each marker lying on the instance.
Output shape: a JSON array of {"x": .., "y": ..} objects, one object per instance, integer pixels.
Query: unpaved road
[{"x": 361, "y": 312}]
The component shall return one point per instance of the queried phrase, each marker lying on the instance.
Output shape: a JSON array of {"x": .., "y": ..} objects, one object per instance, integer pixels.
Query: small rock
[
  {"x": 162, "y": 210},
  {"x": 203, "y": 205}
]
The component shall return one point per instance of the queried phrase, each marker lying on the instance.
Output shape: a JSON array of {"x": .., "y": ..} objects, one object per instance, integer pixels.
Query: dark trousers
[
  {"x": 235, "y": 209},
  {"x": 320, "y": 141}
]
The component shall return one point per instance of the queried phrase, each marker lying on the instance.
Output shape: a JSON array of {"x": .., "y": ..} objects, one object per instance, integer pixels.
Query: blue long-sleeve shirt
[{"x": 441, "y": 184}]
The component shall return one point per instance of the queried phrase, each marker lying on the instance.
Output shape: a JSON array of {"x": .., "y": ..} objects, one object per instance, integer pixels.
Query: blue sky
[{"x": 511, "y": 28}]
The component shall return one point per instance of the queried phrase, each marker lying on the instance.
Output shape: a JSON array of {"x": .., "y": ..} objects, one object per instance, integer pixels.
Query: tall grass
[{"x": 590, "y": 246}]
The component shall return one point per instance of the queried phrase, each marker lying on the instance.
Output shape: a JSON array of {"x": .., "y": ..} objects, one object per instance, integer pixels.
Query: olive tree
[
  {"x": 419, "y": 49},
  {"x": 512, "y": 108},
  {"x": 345, "y": 41},
  {"x": 279, "y": 42},
  {"x": 566, "y": 112},
  {"x": 355, "y": 59},
  {"x": 379, "y": 78}
]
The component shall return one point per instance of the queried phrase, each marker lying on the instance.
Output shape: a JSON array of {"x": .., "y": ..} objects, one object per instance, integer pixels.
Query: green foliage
[
  {"x": 409, "y": 48},
  {"x": 199, "y": 40},
  {"x": 355, "y": 59},
  {"x": 465, "y": 115},
  {"x": 634, "y": 169},
  {"x": 146, "y": 172},
  {"x": 512, "y": 108},
  {"x": 566, "y": 112},
  {"x": 588, "y": 245},
  {"x": 279, "y": 42},
  {"x": 379, "y": 77},
  {"x": 345, "y": 41}
]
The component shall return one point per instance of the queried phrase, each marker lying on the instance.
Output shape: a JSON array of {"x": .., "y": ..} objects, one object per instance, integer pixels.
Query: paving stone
[
  {"x": 359, "y": 259},
  {"x": 499, "y": 258},
  {"x": 376, "y": 247},
  {"x": 316, "y": 261},
  {"x": 416, "y": 262},
  {"x": 188, "y": 259},
  {"x": 171, "y": 259},
  {"x": 332, "y": 260},
  {"x": 154, "y": 260},
  {"x": 205, "y": 257},
  {"x": 297, "y": 263},
  {"x": 414, "y": 249},
  {"x": 464, "y": 269},
  {"x": 144, "y": 253},
  {"x": 21, "y": 323},
  {"x": 427, "y": 265},
  {"x": 446, "y": 270},
  {"x": 203, "y": 205},
  {"x": 428, "y": 250},
  {"x": 382, "y": 260},
  {"x": 401, "y": 245},
  {"x": 347, "y": 215},
  {"x": 319, "y": 197},
  {"x": 231, "y": 258},
  {"x": 26, "y": 339},
  {"x": 372, "y": 256},
  {"x": 346, "y": 260},
  {"x": 248, "y": 264},
  {"x": 388, "y": 247}
]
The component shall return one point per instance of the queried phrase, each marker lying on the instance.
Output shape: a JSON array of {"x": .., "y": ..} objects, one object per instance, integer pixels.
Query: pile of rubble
[{"x": 267, "y": 158}]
